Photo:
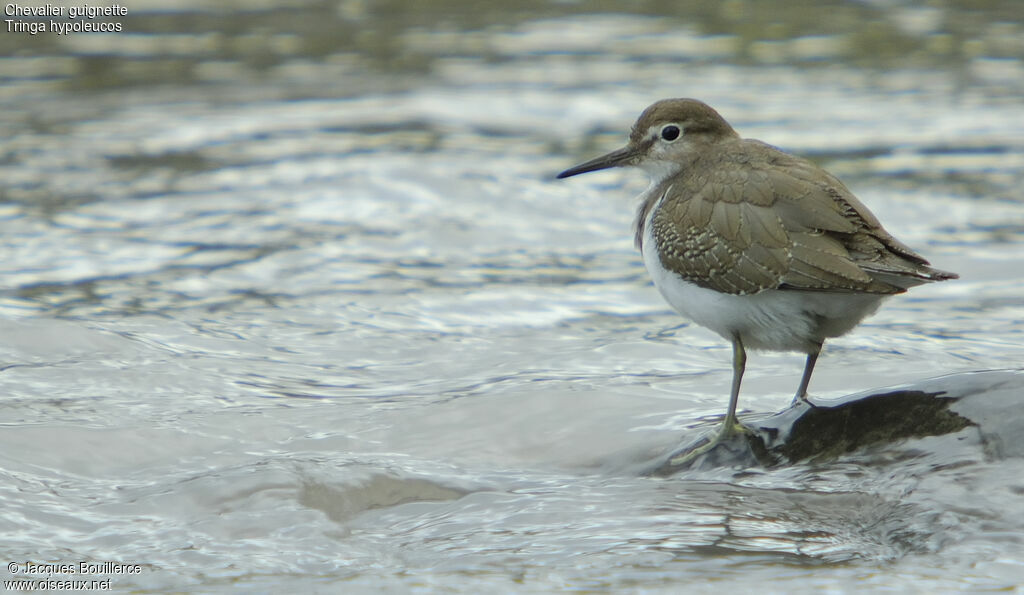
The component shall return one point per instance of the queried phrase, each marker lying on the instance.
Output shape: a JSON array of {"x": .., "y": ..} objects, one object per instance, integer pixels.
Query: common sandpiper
[{"x": 766, "y": 249}]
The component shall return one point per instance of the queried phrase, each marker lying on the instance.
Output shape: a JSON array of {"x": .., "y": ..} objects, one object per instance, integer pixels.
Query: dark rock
[{"x": 992, "y": 402}]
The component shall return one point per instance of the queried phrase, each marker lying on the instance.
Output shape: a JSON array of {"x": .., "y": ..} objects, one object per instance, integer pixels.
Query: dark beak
[{"x": 622, "y": 156}]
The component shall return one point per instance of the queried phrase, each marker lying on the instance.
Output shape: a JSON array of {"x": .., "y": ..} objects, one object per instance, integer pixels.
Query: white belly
[{"x": 779, "y": 320}]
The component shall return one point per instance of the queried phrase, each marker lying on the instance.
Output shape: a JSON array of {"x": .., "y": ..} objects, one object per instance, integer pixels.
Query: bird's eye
[{"x": 670, "y": 132}]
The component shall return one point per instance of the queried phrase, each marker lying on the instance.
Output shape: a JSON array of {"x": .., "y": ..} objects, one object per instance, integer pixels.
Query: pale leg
[
  {"x": 739, "y": 364},
  {"x": 812, "y": 358},
  {"x": 730, "y": 425}
]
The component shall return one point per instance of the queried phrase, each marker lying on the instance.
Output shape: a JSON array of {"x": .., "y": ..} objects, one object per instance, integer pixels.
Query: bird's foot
[
  {"x": 687, "y": 457},
  {"x": 804, "y": 398}
]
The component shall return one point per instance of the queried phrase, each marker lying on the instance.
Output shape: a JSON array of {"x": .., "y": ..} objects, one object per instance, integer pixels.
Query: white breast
[{"x": 779, "y": 320}]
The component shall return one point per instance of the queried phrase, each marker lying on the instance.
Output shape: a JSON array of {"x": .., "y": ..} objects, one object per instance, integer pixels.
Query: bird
[{"x": 762, "y": 247}]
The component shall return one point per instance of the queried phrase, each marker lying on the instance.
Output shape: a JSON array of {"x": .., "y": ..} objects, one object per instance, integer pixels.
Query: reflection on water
[{"x": 289, "y": 297}]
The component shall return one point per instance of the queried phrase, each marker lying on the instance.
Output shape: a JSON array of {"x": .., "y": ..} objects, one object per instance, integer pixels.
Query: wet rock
[{"x": 991, "y": 403}]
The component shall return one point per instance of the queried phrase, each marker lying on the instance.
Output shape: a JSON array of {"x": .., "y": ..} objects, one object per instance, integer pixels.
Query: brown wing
[{"x": 756, "y": 218}]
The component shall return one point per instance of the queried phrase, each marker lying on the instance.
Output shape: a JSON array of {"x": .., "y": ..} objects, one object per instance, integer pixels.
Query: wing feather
[{"x": 756, "y": 218}]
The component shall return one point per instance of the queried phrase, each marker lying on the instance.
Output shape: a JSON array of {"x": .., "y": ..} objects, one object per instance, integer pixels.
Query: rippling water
[{"x": 291, "y": 300}]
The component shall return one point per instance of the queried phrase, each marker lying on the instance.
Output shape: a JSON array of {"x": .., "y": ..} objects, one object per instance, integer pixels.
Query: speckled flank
[{"x": 778, "y": 320}]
